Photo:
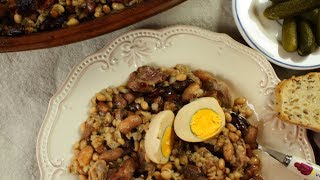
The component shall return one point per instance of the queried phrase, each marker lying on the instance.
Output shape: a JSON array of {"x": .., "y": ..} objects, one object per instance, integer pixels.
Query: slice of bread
[{"x": 297, "y": 100}]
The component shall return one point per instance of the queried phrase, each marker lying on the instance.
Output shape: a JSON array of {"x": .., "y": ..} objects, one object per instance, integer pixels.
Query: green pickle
[
  {"x": 289, "y": 35},
  {"x": 290, "y": 8},
  {"x": 311, "y": 16},
  {"x": 306, "y": 39}
]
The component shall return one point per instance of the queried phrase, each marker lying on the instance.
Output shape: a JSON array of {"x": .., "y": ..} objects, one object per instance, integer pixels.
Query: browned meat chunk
[
  {"x": 125, "y": 171},
  {"x": 120, "y": 102},
  {"x": 192, "y": 172},
  {"x": 98, "y": 171},
  {"x": 112, "y": 154},
  {"x": 88, "y": 129},
  {"x": 211, "y": 84},
  {"x": 251, "y": 136},
  {"x": 144, "y": 79},
  {"x": 45, "y": 4}
]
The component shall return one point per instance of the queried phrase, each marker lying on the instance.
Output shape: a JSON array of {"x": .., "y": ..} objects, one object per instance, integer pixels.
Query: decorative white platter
[
  {"x": 247, "y": 73},
  {"x": 264, "y": 35}
]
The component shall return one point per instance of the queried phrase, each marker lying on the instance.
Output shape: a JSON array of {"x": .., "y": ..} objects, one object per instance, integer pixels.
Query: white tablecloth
[{"x": 29, "y": 79}]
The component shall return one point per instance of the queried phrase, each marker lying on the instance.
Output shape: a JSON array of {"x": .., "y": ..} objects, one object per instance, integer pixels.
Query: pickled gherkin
[
  {"x": 306, "y": 38},
  {"x": 290, "y": 8},
  {"x": 312, "y": 16},
  {"x": 289, "y": 35}
]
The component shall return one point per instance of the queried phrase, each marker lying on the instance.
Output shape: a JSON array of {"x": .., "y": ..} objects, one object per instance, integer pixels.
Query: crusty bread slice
[{"x": 297, "y": 100}]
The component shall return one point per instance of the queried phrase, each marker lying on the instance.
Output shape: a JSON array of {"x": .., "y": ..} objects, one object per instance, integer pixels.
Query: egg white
[
  {"x": 159, "y": 123},
  {"x": 184, "y": 116}
]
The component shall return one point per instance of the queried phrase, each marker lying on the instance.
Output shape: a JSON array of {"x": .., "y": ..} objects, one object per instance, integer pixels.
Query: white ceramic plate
[
  {"x": 264, "y": 35},
  {"x": 247, "y": 72}
]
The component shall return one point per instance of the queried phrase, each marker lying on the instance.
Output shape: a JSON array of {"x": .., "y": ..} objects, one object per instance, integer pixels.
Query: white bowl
[{"x": 264, "y": 35}]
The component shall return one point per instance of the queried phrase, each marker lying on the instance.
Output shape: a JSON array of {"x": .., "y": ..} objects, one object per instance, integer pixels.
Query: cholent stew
[
  {"x": 18, "y": 17},
  {"x": 167, "y": 123}
]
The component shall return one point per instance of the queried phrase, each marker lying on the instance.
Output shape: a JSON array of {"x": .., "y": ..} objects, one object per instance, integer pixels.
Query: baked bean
[
  {"x": 190, "y": 92},
  {"x": 231, "y": 176},
  {"x": 155, "y": 107},
  {"x": 169, "y": 106},
  {"x": 156, "y": 174},
  {"x": 238, "y": 132},
  {"x": 203, "y": 75},
  {"x": 83, "y": 144},
  {"x": 227, "y": 170},
  {"x": 231, "y": 127},
  {"x": 129, "y": 123},
  {"x": 85, "y": 156},
  {"x": 112, "y": 154},
  {"x": 219, "y": 172},
  {"x": 228, "y": 151},
  {"x": 228, "y": 117},
  {"x": 95, "y": 156},
  {"x": 181, "y": 77},
  {"x": 106, "y": 9},
  {"x": 233, "y": 137},
  {"x": 101, "y": 97},
  {"x": 248, "y": 112},
  {"x": 235, "y": 109},
  {"x": 82, "y": 177},
  {"x": 221, "y": 163},
  {"x": 110, "y": 105},
  {"x": 254, "y": 160},
  {"x": 177, "y": 163},
  {"x": 166, "y": 174},
  {"x": 129, "y": 97},
  {"x": 237, "y": 175},
  {"x": 86, "y": 130},
  {"x": 123, "y": 89},
  {"x": 184, "y": 160},
  {"x": 240, "y": 101},
  {"x": 118, "y": 6},
  {"x": 167, "y": 166},
  {"x": 144, "y": 105},
  {"x": 93, "y": 110},
  {"x": 17, "y": 18}
]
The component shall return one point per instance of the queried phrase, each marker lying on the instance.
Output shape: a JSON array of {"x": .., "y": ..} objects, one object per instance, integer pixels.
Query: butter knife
[{"x": 295, "y": 164}]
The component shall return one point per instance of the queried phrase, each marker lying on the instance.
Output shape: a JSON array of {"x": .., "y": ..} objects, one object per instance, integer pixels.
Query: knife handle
[{"x": 303, "y": 168}]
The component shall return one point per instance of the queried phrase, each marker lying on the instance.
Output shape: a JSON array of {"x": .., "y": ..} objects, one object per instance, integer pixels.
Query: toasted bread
[{"x": 297, "y": 100}]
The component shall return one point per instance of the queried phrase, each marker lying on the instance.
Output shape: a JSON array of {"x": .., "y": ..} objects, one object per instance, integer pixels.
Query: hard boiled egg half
[
  {"x": 199, "y": 120},
  {"x": 159, "y": 137}
]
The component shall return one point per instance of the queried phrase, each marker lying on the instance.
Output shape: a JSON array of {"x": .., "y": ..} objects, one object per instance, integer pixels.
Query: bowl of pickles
[{"x": 287, "y": 32}]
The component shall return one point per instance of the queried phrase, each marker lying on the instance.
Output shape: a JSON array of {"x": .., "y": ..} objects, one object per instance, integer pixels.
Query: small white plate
[
  {"x": 247, "y": 72},
  {"x": 264, "y": 35}
]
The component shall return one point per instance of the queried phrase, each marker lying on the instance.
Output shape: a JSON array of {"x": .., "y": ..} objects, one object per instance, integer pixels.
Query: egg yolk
[
  {"x": 167, "y": 142},
  {"x": 205, "y": 123}
]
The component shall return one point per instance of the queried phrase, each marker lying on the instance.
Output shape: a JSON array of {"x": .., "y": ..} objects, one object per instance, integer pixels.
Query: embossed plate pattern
[{"x": 247, "y": 72}]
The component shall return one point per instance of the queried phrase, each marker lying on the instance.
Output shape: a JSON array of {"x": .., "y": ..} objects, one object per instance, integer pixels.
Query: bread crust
[{"x": 279, "y": 102}]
